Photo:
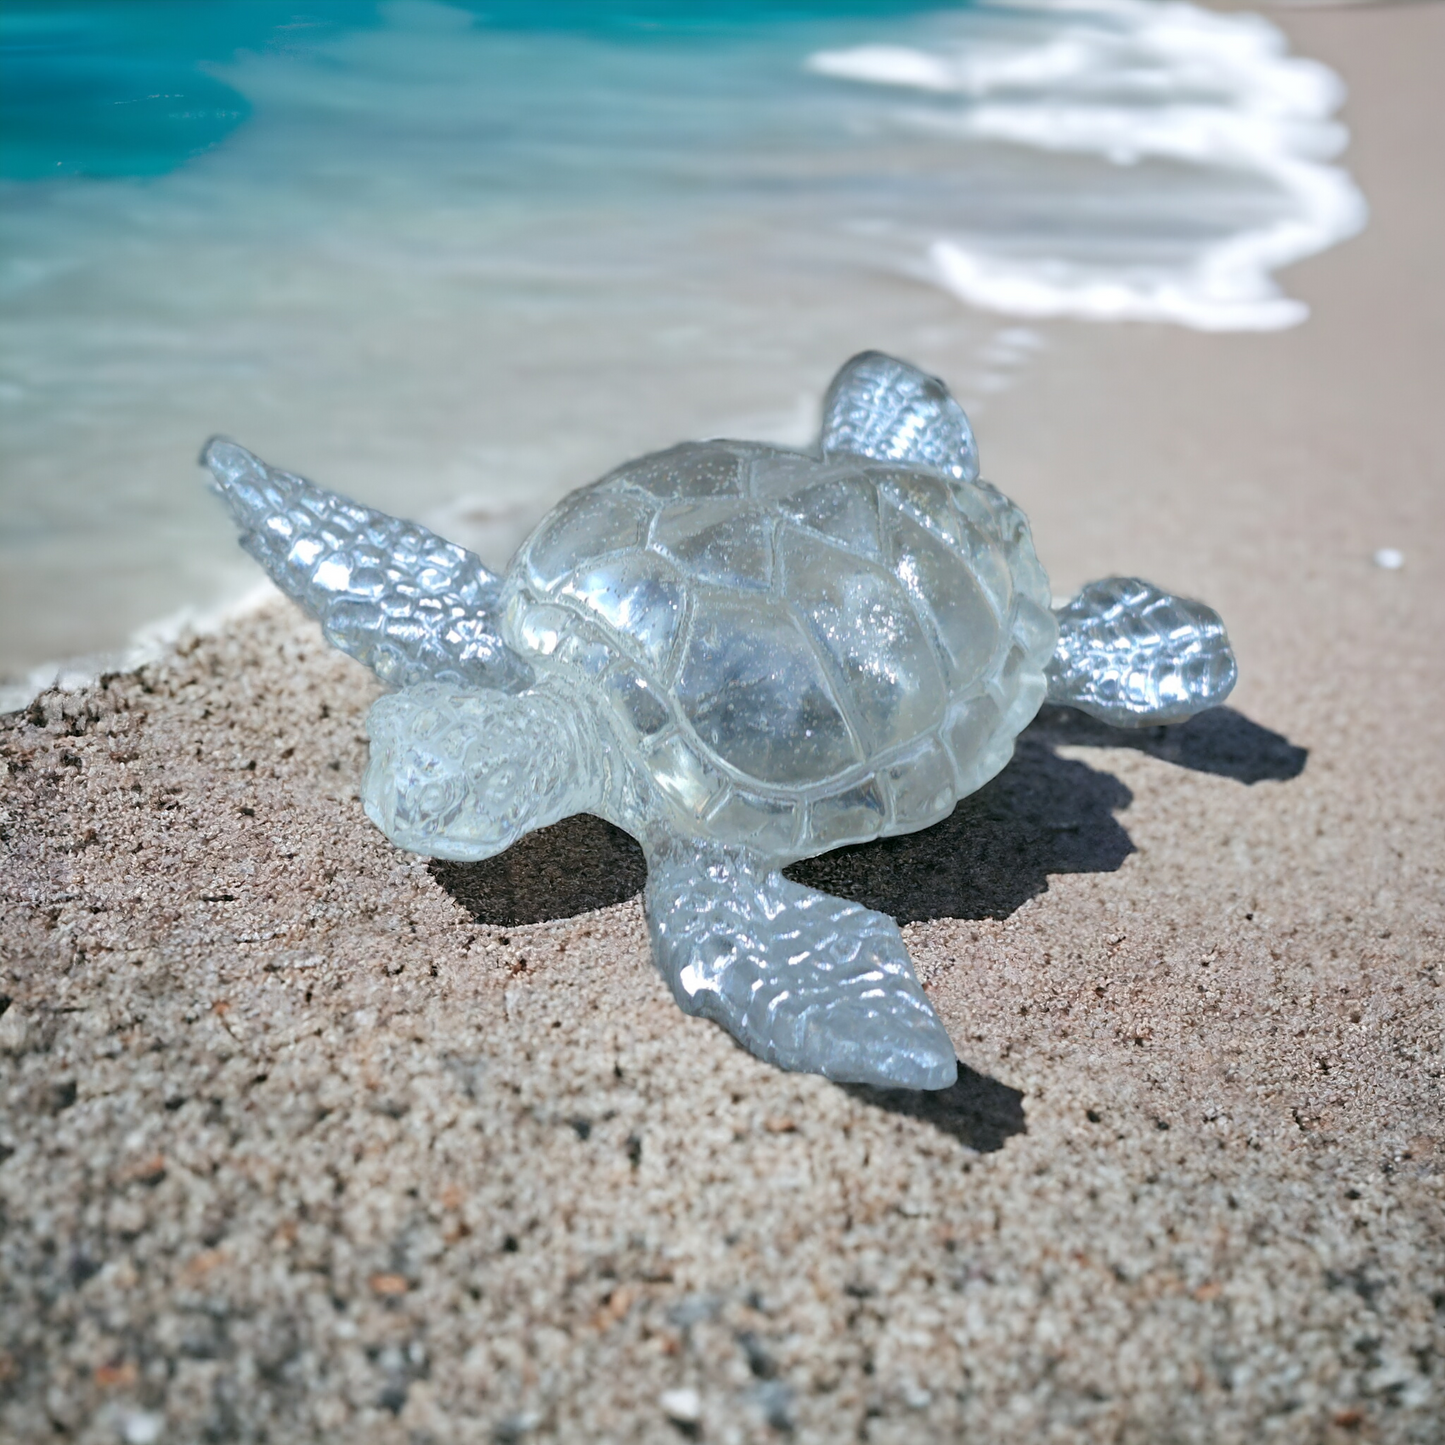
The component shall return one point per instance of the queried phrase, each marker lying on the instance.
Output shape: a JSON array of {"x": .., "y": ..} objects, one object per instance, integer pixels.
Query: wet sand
[{"x": 304, "y": 1138}]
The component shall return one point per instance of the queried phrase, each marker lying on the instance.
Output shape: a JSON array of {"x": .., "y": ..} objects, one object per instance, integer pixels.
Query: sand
[{"x": 303, "y": 1138}]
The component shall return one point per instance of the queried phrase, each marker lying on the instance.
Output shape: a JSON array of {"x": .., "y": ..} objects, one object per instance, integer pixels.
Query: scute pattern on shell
[{"x": 802, "y": 652}]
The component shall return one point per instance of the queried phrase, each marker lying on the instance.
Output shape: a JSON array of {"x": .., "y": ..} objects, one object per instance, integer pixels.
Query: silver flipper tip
[
  {"x": 1133, "y": 655},
  {"x": 893, "y": 1047},
  {"x": 226, "y": 460}
]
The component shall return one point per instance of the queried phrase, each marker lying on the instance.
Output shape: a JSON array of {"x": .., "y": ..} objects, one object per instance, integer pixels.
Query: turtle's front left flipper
[
  {"x": 803, "y": 980},
  {"x": 1133, "y": 656},
  {"x": 411, "y": 606}
]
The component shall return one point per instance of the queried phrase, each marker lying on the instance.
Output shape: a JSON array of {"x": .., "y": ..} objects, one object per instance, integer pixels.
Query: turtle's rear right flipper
[
  {"x": 410, "y": 605},
  {"x": 808, "y": 982},
  {"x": 1134, "y": 656}
]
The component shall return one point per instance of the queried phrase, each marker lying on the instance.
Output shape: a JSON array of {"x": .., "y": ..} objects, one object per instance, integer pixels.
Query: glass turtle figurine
[{"x": 744, "y": 656}]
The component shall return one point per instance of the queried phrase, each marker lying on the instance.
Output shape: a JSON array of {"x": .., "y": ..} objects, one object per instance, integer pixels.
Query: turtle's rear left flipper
[
  {"x": 1134, "y": 656},
  {"x": 805, "y": 981}
]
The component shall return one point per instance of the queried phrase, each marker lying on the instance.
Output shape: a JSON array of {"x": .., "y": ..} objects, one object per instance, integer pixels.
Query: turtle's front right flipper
[
  {"x": 1133, "y": 656},
  {"x": 411, "y": 606},
  {"x": 805, "y": 981}
]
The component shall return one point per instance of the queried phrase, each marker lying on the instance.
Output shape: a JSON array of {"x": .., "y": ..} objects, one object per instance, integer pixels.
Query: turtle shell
[{"x": 802, "y": 653}]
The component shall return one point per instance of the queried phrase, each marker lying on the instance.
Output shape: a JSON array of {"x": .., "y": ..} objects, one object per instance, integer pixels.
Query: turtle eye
[{"x": 437, "y": 803}]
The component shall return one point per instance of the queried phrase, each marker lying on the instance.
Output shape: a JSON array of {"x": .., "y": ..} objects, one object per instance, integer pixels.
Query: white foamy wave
[
  {"x": 1201, "y": 155},
  {"x": 446, "y": 258}
]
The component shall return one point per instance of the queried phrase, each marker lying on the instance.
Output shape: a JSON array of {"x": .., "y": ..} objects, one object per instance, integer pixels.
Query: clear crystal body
[
  {"x": 744, "y": 656},
  {"x": 832, "y": 649}
]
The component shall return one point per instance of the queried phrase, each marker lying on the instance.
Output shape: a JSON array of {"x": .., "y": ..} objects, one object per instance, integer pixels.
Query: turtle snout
[{"x": 430, "y": 785}]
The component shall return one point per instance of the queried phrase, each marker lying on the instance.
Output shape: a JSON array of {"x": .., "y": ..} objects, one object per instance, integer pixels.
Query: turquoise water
[
  {"x": 109, "y": 88},
  {"x": 118, "y": 90},
  {"x": 459, "y": 258}
]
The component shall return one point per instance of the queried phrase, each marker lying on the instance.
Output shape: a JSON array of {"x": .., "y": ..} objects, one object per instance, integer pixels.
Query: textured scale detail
[
  {"x": 803, "y": 980},
  {"x": 882, "y": 408},
  {"x": 744, "y": 656},
  {"x": 391, "y": 594},
  {"x": 1133, "y": 656}
]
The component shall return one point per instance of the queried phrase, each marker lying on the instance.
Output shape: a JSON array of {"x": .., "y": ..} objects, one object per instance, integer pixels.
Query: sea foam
[
  {"x": 1229, "y": 136},
  {"x": 449, "y": 255}
]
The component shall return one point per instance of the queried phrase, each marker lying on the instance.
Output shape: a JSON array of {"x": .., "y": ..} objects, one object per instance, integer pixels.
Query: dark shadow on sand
[
  {"x": 978, "y": 1111},
  {"x": 1220, "y": 741},
  {"x": 572, "y": 867},
  {"x": 1043, "y": 814}
]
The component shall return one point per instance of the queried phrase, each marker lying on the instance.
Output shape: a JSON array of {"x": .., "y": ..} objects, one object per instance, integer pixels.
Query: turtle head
[{"x": 462, "y": 773}]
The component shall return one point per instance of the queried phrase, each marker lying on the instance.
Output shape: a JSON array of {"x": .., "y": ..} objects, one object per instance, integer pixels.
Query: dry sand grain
[{"x": 305, "y": 1139}]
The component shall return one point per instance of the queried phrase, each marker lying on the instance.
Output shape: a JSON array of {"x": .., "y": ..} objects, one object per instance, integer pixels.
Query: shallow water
[{"x": 458, "y": 262}]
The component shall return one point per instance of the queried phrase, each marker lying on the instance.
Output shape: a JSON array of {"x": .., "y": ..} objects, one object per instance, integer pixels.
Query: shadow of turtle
[
  {"x": 572, "y": 867},
  {"x": 1044, "y": 814},
  {"x": 980, "y": 1112},
  {"x": 1220, "y": 741}
]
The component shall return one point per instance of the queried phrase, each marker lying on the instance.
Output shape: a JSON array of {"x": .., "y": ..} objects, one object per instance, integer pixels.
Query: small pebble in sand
[
  {"x": 684, "y": 1406},
  {"x": 142, "y": 1428},
  {"x": 1390, "y": 558}
]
